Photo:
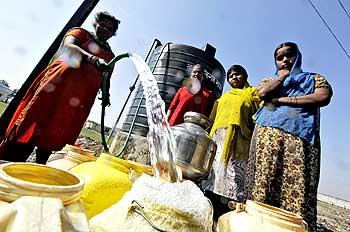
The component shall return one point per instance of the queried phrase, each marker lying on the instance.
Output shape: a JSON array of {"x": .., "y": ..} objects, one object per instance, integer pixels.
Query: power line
[
  {"x": 330, "y": 30},
  {"x": 342, "y": 6}
]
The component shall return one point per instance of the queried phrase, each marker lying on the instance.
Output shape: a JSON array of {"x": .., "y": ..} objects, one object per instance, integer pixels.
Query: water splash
[
  {"x": 71, "y": 57},
  {"x": 160, "y": 138},
  {"x": 93, "y": 48}
]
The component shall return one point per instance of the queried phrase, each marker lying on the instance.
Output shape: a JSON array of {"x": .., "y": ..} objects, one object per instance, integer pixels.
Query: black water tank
[{"x": 171, "y": 63}]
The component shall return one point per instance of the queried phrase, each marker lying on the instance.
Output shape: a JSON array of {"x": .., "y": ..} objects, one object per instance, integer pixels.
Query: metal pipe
[{"x": 76, "y": 20}]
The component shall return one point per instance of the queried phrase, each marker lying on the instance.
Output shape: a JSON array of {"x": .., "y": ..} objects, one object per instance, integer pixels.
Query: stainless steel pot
[{"x": 195, "y": 149}]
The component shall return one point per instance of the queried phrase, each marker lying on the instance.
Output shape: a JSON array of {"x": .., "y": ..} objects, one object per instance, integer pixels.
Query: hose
[{"x": 105, "y": 96}]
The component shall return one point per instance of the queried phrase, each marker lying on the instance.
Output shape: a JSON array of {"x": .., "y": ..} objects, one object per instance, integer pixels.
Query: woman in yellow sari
[{"x": 232, "y": 131}]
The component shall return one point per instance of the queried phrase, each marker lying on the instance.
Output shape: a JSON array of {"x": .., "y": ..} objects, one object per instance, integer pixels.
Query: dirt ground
[{"x": 332, "y": 218}]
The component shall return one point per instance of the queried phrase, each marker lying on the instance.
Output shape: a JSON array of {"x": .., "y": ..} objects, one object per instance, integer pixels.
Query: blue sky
[{"x": 243, "y": 32}]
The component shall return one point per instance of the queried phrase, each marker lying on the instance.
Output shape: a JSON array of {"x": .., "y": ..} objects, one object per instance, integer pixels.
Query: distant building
[
  {"x": 89, "y": 124},
  {"x": 333, "y": 201},
  {"x": 11, "y": 95},
  {"x": 5, "y": 90}
]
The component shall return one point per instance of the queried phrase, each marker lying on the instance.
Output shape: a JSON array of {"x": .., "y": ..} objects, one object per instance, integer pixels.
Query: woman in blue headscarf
[{"x": 284, "y": 160}]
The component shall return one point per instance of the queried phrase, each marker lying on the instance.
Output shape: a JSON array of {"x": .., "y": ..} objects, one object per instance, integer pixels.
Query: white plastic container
[
  {"x": 257, "y": 217},
  {"x": 38, "y": 198},
  {"x": 71, "y": 156},
  {"x": 40, "y": 214}
]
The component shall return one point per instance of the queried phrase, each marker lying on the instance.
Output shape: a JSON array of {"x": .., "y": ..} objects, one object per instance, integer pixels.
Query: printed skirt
[{"x": 283, "y": 171}]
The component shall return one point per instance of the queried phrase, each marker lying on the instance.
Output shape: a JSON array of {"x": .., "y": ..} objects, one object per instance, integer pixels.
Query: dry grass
[
  {"x": 2, "y": 107},
  {"x": 94, "y": 135}
]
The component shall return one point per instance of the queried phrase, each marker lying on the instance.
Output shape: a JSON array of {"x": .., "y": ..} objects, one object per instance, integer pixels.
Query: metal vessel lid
[
  {"x": 197, "y": 118},
  {"x": 193, "y": 131}
]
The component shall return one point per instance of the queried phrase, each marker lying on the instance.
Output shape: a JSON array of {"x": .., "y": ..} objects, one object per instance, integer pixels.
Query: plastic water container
[
  {"x": 42, "y": 214},
  {"x": 71, "y": 157},
  {"x": 35, "y": 198},
  {"x": 256, "y": 217},
  {"x": 28, "y": 179},
  {"x": 106, "y": 181}
]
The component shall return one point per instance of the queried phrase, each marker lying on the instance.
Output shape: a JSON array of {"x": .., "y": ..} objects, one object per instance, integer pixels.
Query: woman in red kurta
[
  {"x": 193, "y": 98},
  {"x": 56, "y": 106}
]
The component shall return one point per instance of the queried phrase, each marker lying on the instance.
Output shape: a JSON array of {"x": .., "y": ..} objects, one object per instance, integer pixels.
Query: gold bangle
[
  {"x": 296, "y": 100},
  {"x": 290, "y": 100}
]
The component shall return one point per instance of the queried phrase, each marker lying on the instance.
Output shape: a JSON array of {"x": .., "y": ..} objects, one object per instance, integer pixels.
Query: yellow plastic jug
[
  {"x": 72, "y": 156},
  {"x": 256, "y": 217},
  {"x": 106, "y": 181}
]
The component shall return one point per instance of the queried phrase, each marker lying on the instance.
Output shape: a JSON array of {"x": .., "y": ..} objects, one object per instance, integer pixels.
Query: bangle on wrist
[
  {"x": 89, "y": 59},
  {"x": 292, "y": 100},
  {"x": 92, "y": 59}
]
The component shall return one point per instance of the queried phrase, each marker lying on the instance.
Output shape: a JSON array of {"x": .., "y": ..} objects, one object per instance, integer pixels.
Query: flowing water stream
[{"x": 160, "y": 138}]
